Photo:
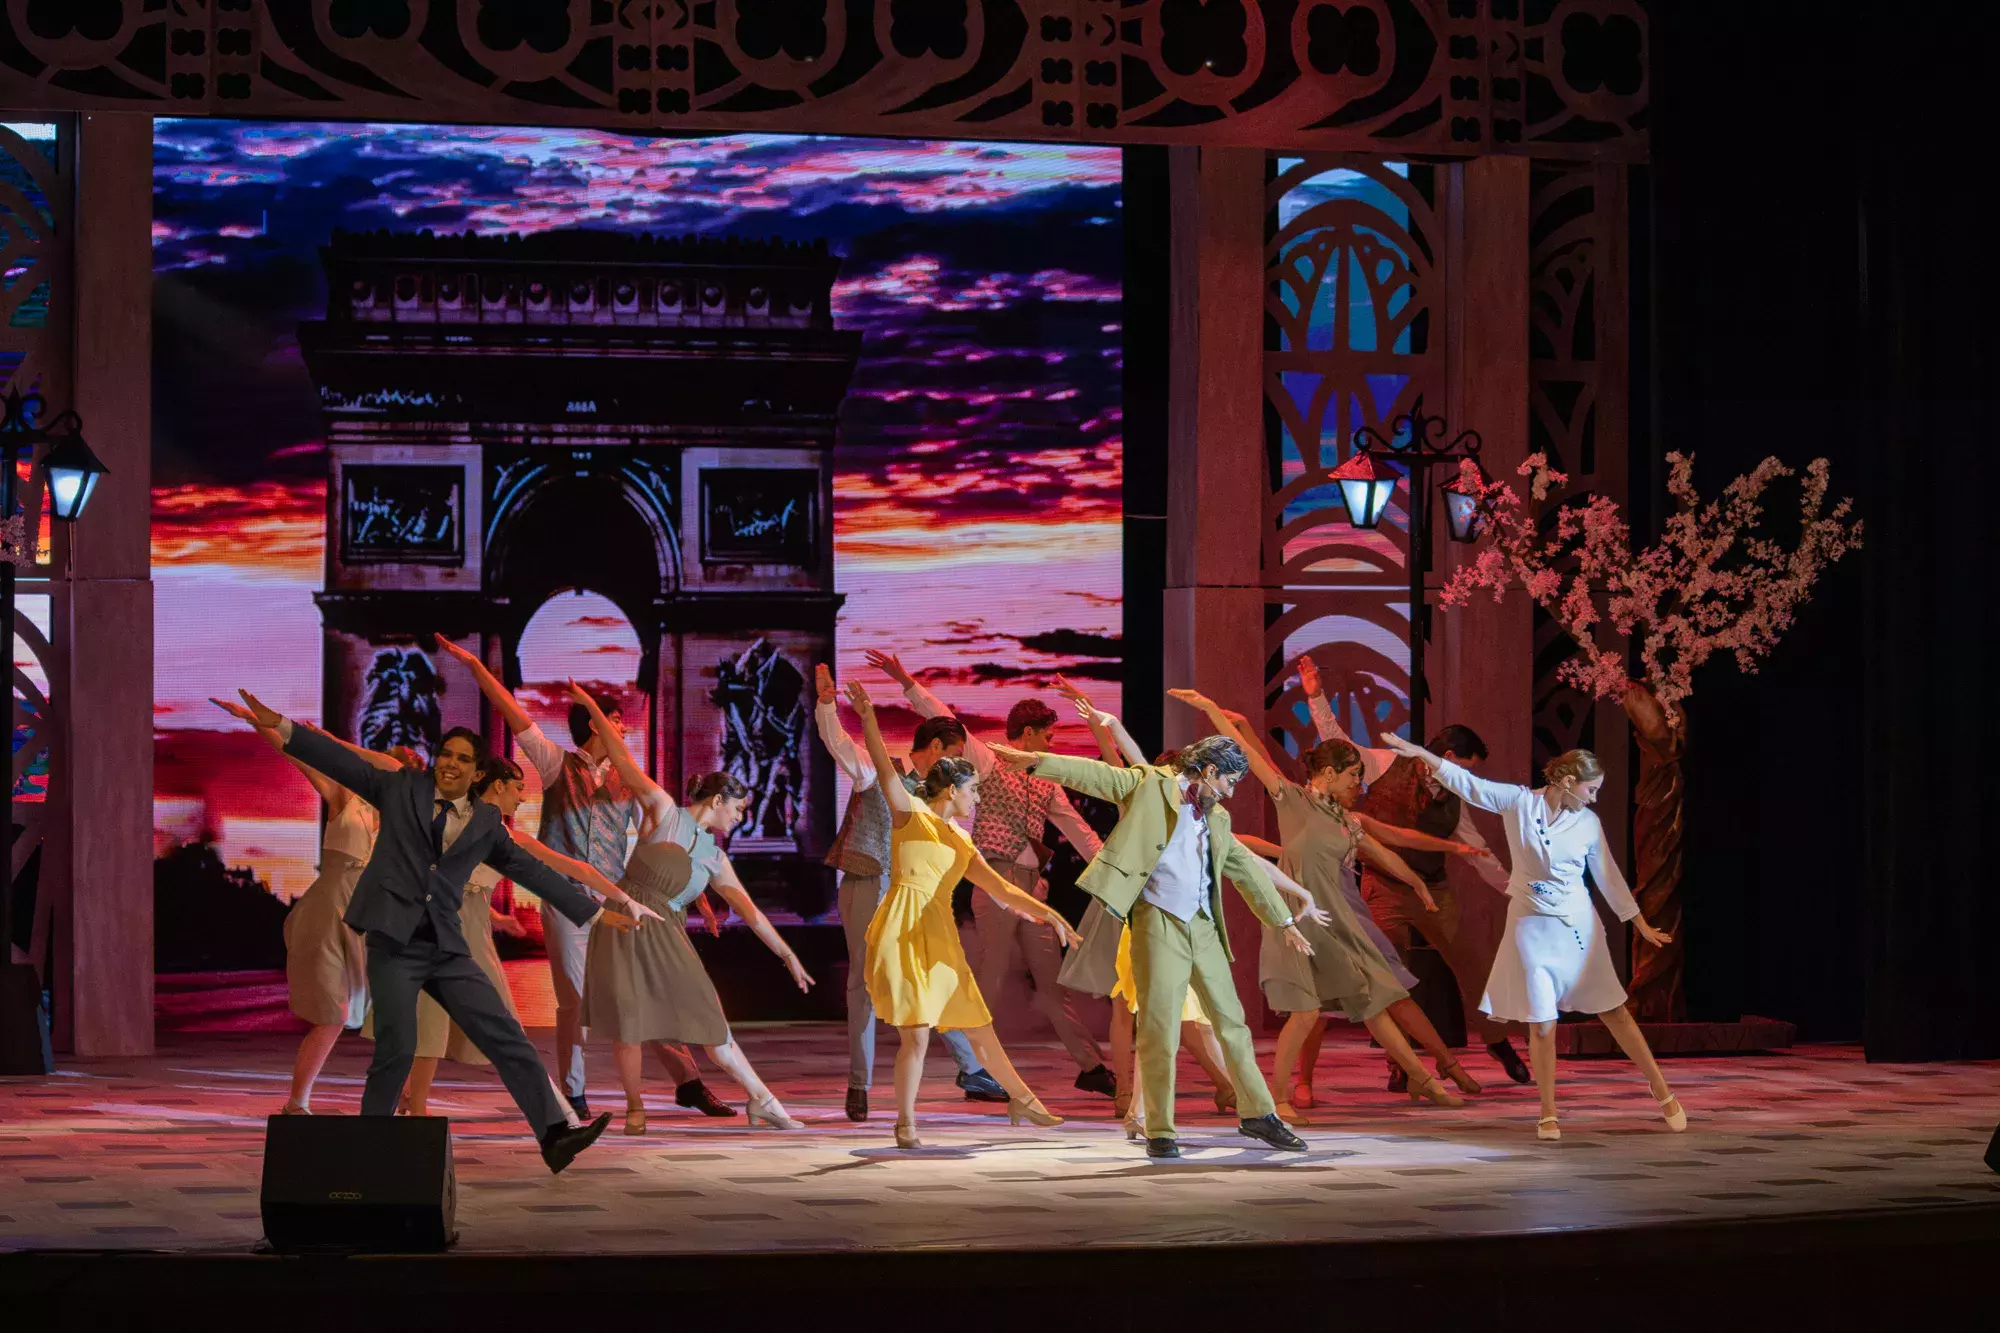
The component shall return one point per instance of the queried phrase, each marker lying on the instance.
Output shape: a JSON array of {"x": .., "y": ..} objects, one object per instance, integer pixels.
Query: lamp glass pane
[
  {"x": 1461, "y": 515},
  {"x": 69, "y": 491},
  {"x": 1362, "y": 509}
]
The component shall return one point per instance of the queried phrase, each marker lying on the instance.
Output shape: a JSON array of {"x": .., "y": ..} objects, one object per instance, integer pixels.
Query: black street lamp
[
  {"x": 1416, "y": 444},
  {"x": 72, "y": 471}
]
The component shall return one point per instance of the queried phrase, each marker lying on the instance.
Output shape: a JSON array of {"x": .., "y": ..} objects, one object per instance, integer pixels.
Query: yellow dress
[
  {"x": 1128, "y": 991},
  {"x": 917, "y": 973}
]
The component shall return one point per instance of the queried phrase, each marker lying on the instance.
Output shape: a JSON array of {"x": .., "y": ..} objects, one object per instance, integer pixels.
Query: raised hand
[
  {"x": 1072, "y": 693},
  {"x": 261, "y": 713},
  {"x": 858, "y": 700},
  {"x": 617, "y": 920},
  {"x": 577, "y": 694},
  {"x": 1402, "y": 745},
  {"x": 1656, "y": 938},
  {"x": 1012, "y": 757},
  {"x": 450, "y": 649},
  {"x": 891, "y": 666},
  {"x": 823, "y": 682},
  {"x": 1195, "y": 699},
  {"x": 1308, "y": 675},
  {"x": 235, "y": 710}
]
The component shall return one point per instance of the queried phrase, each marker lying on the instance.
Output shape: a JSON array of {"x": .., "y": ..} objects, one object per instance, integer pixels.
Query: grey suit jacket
[{"x": 404, "y": 880}]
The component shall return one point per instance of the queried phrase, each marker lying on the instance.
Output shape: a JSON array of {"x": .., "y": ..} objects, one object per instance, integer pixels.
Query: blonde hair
[{"x": 1579, "y": 764}]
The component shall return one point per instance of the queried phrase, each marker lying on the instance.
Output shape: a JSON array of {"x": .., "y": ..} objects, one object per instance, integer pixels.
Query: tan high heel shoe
[
  {"x": 1429, "y": 1089},
  {"x": 1134, "y": 1131},
  {"x": 1452, "y": 1068},
  {"x": 906, "y": 1135},
  {"x": 1677, "y": 1117},
  {"x": 1547, "y": 1129},
  {"x": 1033, "y": 1112},
  {"x": 635, "y": 1121},
  {"x": 770, "y": 1113},
  {"x": 1290, "y": 1116}
]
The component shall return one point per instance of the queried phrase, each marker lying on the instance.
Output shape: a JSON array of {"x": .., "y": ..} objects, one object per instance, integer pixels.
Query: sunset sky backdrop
[{"x": 977, "y": 491}]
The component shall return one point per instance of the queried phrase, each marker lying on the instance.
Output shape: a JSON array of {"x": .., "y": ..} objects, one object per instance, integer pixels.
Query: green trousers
[{"x": 1169, "y": 955}]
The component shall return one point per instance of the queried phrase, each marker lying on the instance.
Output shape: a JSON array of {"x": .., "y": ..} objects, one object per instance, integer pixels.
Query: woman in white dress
[{"x": 1553, "y": 955}]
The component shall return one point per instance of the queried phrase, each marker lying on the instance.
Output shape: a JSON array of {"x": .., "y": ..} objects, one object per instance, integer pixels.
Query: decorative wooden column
[
  {"x": 1213, "y": 637},
  {"x": 1480, "y": 666},
  {"x": 104, "y": 935}
]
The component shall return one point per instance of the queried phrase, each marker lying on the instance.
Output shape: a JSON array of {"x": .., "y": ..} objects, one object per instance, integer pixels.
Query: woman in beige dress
[
  {"x": 326, "y": 965},
  {"x": 650, "y": 988}
]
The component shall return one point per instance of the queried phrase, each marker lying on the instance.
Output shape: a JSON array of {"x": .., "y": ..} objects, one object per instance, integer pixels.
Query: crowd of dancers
[{"x": 396, "y": 934}]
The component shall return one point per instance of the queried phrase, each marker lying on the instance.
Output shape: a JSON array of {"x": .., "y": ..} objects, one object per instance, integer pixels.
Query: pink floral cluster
[{"x": 1713, "y": 583}]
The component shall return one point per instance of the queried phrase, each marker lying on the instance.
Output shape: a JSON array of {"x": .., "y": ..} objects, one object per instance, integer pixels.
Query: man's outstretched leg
[{"x": 466, "y": 994}]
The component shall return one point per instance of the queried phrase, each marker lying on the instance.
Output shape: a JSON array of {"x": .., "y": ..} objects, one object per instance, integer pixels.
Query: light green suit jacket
[{"x": 1149, "y": 802}]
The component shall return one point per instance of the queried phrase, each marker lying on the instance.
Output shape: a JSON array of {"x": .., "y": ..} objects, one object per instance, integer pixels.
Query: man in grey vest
[
  {"x": 861, "y": 854},
  {"x": 586, "y": 813}
]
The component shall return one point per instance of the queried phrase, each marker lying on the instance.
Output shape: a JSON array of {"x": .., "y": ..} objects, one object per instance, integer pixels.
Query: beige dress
[
  {"x": 326, "y": 964},
  {"x": 649, "y": 985},
  {"x": 1346, "y": 971}
]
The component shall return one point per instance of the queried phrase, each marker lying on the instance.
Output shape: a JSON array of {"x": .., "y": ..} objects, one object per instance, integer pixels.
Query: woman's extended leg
[
  {"x": 313, "y": 1050},
  {"x": 1625, "y": 1030}
]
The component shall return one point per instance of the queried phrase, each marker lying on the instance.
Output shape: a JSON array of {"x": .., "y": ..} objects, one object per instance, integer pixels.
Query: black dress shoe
[
  {"x": 1163, "y": 1148},
  {"x": 579, "y": 1104},
  {"x": 695, "y": 1094},
  {"x": 561, "y": 1143},
  {"x": 1399, "y": 1079},
  {"x": 1510, "y": 1060},
  {"x": 1273, "y": 1131},
  {"x": 1099, "y": 1080},
  {"x": 857, "y": 1104},
  {"x": 981, "y": 1086}
]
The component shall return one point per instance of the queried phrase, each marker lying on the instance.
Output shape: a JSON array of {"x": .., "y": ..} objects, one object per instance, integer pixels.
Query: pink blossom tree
[{"x": 1714, "y": 582}]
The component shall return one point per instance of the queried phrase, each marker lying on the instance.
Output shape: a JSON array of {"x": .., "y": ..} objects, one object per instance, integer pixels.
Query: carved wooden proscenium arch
[{"x": 1544, "y": 78}]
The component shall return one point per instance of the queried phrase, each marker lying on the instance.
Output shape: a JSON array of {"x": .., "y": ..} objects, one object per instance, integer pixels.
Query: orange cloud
[{"x": 268, "y": 524}]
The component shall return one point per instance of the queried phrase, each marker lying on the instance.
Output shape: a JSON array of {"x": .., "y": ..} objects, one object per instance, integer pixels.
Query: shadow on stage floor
[{"x": 1810, "y": 1186}]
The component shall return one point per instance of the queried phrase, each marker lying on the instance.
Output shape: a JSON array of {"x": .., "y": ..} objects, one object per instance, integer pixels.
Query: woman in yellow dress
[{"x": 917, "y": 973}]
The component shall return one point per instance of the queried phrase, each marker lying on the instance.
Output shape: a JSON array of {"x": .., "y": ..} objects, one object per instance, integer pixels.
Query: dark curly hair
[
  {"x": 1336, "y": 754},
  {"x": 1224, "y": 754},
  {"x": 711, "y": 785},
  {"x": 1029, "y": 713},
  {"x": 944, "y": 775},
  {"x": 495, "y": 770}
]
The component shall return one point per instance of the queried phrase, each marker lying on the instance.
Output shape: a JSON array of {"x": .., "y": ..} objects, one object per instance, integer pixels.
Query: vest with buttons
[
  {"x": 861, "y": 848},
  {"x": 1402, "y": 797},
  {"x": 587, "y": 819}
]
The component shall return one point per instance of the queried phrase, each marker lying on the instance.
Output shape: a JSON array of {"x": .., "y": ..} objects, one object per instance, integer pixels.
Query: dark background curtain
[{"x": 1822, "y": 283}]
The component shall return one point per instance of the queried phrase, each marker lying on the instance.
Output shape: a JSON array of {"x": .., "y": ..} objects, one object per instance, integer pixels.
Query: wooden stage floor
[{"x": 163, "y": 1154}]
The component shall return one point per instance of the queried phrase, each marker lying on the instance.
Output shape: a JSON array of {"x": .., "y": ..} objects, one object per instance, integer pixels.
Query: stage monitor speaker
[{"x": 358, "y": 1184}]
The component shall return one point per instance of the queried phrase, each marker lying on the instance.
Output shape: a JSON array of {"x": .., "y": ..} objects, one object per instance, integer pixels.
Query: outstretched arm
[
  {"x": 1106, "y": 782},
  {"x": 315, "y": 749},
  {"x": 652, "y": 796},
  {"x": 582, "y": 872},
  {"x": 1375, "y": 761},
  {"x": 891, "y": 782},
  {"x": 929, "y": 705},
  {"x": 516, "y": 862},
  {"x": 498, "y": 695},
  {"x": 1306, "y": 908},
  {"x": 1253, "y": 880},
  {"x": 1098, "y": 722},
  {"x": 826, "y": 717},
  {"x": 1391, "y": 864},
  {"x": 1260, "y": 763},
  {"x": 329, "y": 791},
  {"x": 1389, "y": 835},
  {"x": 725, "y": 882},
  {"x": 1482, "y": 792},
  {"x": 986, "y": 878}
]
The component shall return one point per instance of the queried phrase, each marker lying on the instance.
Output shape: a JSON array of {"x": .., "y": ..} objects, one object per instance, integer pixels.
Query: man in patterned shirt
[{"x": 1014, "y": 811}]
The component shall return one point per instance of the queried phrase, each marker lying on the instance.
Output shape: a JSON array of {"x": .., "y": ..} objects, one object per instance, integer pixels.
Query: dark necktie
[{"x": 437, "y": 826}]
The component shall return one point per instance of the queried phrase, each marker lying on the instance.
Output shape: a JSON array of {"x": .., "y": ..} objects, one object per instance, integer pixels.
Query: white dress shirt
[
  {"x": 1375, "y": 762},
  {"x": 1179, "y": 884},
  {"x": 847, "y": 756},
  {"x": 546, "y": 758},
  {"x": 1550, "y": 854}
]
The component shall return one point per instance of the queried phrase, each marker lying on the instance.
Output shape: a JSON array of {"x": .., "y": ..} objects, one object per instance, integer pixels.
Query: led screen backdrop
[{"x": 307, "y": 524}]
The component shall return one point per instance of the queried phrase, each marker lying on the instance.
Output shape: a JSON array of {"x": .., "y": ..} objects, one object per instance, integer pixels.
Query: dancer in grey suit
[{"x": 406, "y": 906}]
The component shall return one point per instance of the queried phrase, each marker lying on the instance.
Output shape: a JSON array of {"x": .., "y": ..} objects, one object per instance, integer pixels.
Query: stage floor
[{"x": 163, "y": 1154}]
